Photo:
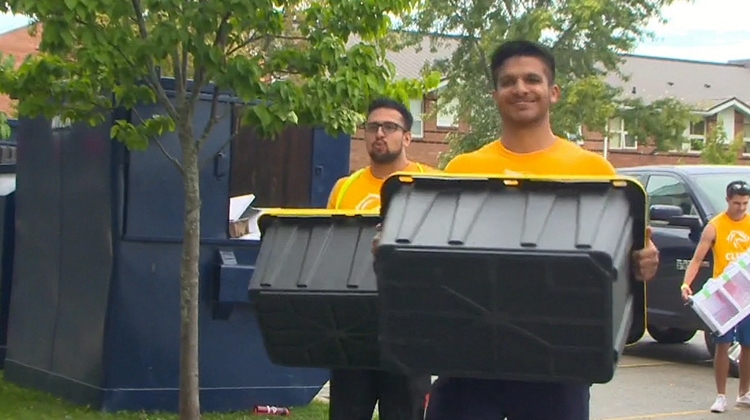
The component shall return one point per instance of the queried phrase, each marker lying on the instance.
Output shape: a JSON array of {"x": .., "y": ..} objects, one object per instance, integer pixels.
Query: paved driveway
[{"x": 656, "y": 381}]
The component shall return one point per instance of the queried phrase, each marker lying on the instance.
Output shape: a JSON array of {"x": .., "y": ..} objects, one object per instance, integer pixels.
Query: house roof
[
  {"x": 705, "y": 85},
  {"x": 702, "y": 84}
]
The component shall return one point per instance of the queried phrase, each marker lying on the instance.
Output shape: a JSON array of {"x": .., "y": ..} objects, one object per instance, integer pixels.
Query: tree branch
[
  {"x": 564, "y": 35},
  {"x": 220, "y": 41},
  {"x": 155, "y": 81},
  {"x": 222, "y": 32},
  {"x": 244, "y": 44},
  {"x": 222, "y": 148},
  {"x": 171, "y": 158},
  {"x": 509, "y": 10},
  {"x": 179, "y": 76},
  {"x": 212, "y": 119}
]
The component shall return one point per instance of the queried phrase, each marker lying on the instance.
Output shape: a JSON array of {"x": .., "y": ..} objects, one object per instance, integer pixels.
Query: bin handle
[{"x": 218, "y": 170}]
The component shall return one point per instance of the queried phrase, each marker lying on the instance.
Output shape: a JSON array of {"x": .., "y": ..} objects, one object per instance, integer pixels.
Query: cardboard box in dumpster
[
  {"x": 725, "y": 301},
  {"x": 243, "y": 218}
]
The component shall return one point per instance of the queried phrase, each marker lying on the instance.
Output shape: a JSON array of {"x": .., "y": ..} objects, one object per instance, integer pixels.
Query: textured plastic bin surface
[
  {"x": 314, "y": 289},
  {"x": 520, "y": 279}
]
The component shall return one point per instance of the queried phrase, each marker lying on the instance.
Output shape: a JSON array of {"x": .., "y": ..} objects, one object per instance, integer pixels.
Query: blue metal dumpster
[
  {"x": 94, "y": 313},
  {"x": 7, "y": 229}
]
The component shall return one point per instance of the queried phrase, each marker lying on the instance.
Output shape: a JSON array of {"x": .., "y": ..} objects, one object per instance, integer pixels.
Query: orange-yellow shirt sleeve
[
  {"x": 335, "y": 192},
  {"x": 458, "y": 165},
  {"x": 429, "y": 169},
  {"x": 597, "y": 165}
]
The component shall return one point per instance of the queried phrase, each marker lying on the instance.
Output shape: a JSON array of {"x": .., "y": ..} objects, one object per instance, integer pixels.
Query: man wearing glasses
[
  {"x": 354, "y": 393},
  {"x": 728, "y": 236}
]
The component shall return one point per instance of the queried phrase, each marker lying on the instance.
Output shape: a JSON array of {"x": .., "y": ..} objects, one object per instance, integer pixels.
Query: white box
[{"x": 725, "y": 301}]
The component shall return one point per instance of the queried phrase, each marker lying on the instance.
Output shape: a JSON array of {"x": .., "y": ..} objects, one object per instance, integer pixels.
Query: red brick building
[
  {"x": 20, "y": 44},
  {"x": 717, "y": 91}
]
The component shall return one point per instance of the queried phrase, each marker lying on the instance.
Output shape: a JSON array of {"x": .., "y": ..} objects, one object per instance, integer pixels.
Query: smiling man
[
  {"x": 524, "y": 90},
  {"x": 355, "y": 392}
]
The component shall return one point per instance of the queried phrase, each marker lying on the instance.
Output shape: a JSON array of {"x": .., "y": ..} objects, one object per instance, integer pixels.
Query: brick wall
[
  {"x": 19, "y": 44},
  {"x": 427, "y": 150}
]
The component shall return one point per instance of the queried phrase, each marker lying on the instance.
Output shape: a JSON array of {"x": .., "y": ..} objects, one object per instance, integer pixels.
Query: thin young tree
[{"x": 288, "y": 59}]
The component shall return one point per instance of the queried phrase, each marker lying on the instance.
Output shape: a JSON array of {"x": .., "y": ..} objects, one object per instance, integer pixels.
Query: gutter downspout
[{"x": 605, "y": 143}]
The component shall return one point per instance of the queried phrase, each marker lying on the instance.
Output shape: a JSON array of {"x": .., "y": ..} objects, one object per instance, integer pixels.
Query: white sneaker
[
  {"x": 720, "y": 405},
  {"x": 744, "y": 401}
]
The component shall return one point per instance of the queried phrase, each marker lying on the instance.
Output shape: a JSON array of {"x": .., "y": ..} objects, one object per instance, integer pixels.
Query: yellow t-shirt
[
  {"x": 361, "y": 190},
  {"x": 732, "y": 240},
  {"x": 561, "y": 158}
]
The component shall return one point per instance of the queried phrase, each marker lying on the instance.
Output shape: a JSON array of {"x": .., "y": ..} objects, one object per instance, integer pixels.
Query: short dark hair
[
  {"x": 521, "y": 48},
  {"x": 738, "y": 187},
  {"x": 394, "y": 105}
]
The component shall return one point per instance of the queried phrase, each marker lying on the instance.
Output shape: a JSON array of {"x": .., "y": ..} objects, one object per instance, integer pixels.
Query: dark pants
[
  {"x": 354, "y": 394},
  {"x": 482, "y": 399}
]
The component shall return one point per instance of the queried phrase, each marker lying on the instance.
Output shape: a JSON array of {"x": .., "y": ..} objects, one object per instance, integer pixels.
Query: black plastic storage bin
[
  {"x": 507, "y": 278},
  {"x": 314, "y": 290}
]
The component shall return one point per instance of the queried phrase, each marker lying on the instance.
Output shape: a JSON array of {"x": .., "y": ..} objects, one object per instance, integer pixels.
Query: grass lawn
[{"x": 21, "y": 404}]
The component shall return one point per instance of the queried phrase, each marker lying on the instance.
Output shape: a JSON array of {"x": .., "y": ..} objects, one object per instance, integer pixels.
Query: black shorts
[
  {"x": 484, "y": 399},
  {"x": 354, "y": 394}
]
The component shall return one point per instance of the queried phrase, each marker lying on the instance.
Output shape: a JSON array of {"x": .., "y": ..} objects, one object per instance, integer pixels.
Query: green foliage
[
  {"x": 291, "y": 57},
  {"x": 586, "y": 36},
  {"x": 718, "y": 150},
  {"x": 662, "y": 122}
]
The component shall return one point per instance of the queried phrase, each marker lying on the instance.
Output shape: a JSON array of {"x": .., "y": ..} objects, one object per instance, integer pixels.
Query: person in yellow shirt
[
  {"x": 728, "y": 236},
  {"x": 387, "y": 135},
  {"x": 524, "y": 89},
  {"x": 355, "y": 392}
]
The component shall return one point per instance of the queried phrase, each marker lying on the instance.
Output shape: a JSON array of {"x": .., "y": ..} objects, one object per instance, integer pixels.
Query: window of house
[
  {"x": 417, "y": 111},
  {"x": 746, "y": 133},
  {"x": 696, "y": 137},
  {"x": 447, "y": 115},
  {"x": 668, "y": 190},
  {"x": 576, "y": 135},
  {"x": 618, "y": 135}
]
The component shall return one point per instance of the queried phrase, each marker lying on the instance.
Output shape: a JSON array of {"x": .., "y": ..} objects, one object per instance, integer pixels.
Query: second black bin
[
  {"x": 314, "y": 289},
  {"x": 508, "y": 278}
]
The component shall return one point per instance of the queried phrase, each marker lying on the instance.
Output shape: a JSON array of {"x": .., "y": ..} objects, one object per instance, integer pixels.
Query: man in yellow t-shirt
[
  {"x": 354, "y": 392},
  {"x": 524, "y": 89},
  {"x": 728, "y": 235}
]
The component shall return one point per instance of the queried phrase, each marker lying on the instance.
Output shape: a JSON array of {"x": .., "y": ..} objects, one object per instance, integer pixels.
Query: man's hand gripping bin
[
  {"x": 314, "y": 290},
  {"x": 508, "y": 278}
]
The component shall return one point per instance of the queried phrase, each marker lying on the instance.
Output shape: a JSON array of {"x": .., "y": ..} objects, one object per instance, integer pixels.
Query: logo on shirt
[
  {"x": 370, "y": 202},
  {"x": 740, "y": 242},
  {"x": 738, "y": 239}
]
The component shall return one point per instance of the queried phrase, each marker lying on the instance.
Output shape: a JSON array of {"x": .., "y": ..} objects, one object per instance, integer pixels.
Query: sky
[{"x": 703, "y": 30}]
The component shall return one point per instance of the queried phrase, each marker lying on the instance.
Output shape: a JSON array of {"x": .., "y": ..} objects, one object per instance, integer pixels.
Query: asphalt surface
[{"x": 656, "y": 381}]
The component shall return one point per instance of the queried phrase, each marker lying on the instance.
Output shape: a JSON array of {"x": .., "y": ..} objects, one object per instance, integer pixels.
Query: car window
[
  {"x": 641, "y": 177},
  {"x": 669, "y": 190},
  {"x": 714, "y": 187}
]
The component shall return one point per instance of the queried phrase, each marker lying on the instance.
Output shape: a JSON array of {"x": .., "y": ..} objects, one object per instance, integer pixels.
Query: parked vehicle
[{"x": 682, "y": 199}]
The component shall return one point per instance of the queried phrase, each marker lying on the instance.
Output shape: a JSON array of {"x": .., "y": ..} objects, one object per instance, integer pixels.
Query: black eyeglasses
[{"x": 388, "y": 127}]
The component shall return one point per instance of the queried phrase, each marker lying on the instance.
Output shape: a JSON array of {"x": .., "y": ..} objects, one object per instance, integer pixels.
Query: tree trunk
[{"x": 189, "y": 281}]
